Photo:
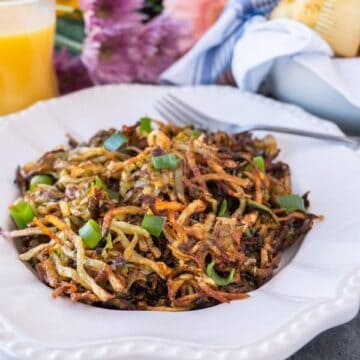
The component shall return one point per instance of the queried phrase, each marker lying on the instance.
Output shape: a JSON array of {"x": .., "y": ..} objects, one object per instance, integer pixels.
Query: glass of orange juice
[{"x": 27, "y": 30}]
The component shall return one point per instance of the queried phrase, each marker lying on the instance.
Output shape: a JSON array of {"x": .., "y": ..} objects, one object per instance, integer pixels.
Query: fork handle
[{"x": 353, "y": 143}]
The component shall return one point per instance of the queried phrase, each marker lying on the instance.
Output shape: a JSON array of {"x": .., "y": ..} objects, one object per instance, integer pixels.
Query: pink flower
[
  {"x": 111, "y": 13},
  {"x": 130, "y": 53},
  {"x": 111, "y": 57},
  {"x": 201, "y": 15},
  {"x": 159, "y": 46}
]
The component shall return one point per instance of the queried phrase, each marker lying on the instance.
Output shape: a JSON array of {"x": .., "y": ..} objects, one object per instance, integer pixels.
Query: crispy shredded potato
[{"x": 221, "y": 232}]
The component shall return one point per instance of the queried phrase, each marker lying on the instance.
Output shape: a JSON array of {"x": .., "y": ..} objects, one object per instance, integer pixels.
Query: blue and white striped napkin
[
  {"x": 242, "y": 47},
  {"x": 209, "y": 61}
]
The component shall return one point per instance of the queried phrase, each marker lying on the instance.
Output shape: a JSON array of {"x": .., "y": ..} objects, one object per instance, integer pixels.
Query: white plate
[{"x": 318, "y": 289}]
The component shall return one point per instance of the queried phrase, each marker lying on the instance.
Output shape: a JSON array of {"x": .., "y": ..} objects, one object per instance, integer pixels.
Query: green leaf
[
  {"x": 71, "y": 28},
  {"x": 292, "y": 202},
  {"x": 70, "y": 34},
  {"x": 220, "y": 281},
  {"x": 72, "y": 45}
]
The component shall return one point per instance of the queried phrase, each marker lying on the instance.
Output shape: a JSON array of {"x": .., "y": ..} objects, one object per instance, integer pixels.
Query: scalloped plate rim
[{"x": 328, "y": 313}]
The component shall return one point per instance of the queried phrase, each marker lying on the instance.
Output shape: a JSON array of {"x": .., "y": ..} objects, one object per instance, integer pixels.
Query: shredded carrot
[{"x": 161, "y": 205}]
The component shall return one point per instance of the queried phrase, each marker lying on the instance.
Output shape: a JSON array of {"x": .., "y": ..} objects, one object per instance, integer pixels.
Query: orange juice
[{"x": 26, "y": 46}]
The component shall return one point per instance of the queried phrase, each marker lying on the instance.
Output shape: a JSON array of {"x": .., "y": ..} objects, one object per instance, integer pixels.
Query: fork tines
[{"x": 177, "y": 111}]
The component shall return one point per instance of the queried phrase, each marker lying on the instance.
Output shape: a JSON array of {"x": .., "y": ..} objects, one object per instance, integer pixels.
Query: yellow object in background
[
  {"x": 71, "y": 3},
  {"x": 306, "y": 11},
  {"x": 27, "y": 30},
  {"x": 63, "y": 4},
  {"x": 337, "y": 21}
]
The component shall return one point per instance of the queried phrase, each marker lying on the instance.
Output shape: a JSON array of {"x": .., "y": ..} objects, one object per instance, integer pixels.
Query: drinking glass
[{"x": 27, "y": 31}]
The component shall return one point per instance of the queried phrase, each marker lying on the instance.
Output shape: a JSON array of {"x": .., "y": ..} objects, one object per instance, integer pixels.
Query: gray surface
[{"x": 340, "y": 343}]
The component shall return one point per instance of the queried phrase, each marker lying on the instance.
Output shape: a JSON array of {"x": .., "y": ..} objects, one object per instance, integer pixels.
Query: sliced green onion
[
  {"x": 99, "y": 183},
  {"x": 168, "y": 161},
  {"x": 22, "y": 213},
  {"x": 196, "y": 133},
  {"x": 153, "y": 224},
  {"x": 145, "y": 125},
  {"x": 256, "y": 205},
  {"x": 292, "y": 202},
  {"x": 220, "y": 281},
  {"x": 40, "y": 179},
  {"x": 223, "y": 208},
  {"x": 91, "y": 234},
  {"x": 115, "y": 141},
  {"x": 259, "y": 163}
]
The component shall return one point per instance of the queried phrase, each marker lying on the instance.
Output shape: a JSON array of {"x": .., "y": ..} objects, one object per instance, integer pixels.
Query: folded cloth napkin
[
  {"x": 210, "y": 58},
  {"x": 245, "y": 45}
]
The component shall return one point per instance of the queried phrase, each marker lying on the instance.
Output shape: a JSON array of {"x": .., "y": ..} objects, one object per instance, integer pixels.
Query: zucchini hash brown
[{"x": 156, "y": 217}]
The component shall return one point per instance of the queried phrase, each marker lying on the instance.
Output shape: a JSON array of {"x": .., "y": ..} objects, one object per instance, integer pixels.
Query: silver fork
[{"x": 180, "y": 113}]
